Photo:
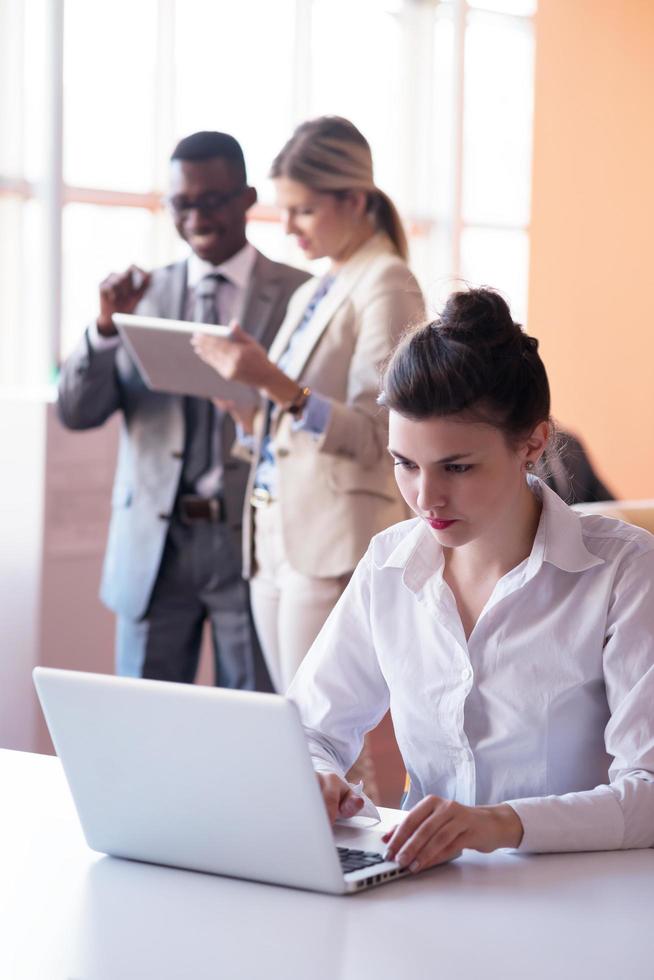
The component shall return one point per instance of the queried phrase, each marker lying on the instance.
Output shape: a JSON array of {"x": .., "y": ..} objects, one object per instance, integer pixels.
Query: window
[
  {"x": 26, "y": 204},
  {"x": 89, "y": 112}
]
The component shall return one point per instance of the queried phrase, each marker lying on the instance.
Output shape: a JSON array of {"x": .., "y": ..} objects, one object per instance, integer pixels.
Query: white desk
[{"x": 67, "y": 913}]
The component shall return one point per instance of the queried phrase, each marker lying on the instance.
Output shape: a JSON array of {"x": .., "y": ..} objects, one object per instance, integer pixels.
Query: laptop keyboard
[{"x": 353, "y": 860}]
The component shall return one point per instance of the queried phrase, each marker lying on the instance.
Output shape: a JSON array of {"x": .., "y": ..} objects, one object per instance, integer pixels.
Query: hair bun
[
  {"x": 479, "y": 318},
  {"x": 529, "y": 344}
]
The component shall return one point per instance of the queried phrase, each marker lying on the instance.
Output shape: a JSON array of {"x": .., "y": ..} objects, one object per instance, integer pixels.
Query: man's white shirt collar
[{"x": 237, "y": 269}]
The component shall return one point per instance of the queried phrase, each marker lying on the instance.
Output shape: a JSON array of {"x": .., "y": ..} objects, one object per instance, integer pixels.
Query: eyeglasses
[{"x": 207, "y": 204}]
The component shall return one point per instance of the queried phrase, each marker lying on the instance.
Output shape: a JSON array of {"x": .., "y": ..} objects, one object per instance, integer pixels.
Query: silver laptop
[{"x": 201, "y": 778}]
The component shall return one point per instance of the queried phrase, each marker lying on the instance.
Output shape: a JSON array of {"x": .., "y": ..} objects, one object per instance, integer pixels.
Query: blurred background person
[
  {"x": 173, "y": 558},
  {"x": 566, "y": 468},
  {"x": 321, "y": 481}
]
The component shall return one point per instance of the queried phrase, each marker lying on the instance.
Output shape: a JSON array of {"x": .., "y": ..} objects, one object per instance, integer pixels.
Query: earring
[{"x": 529, "y": 465}]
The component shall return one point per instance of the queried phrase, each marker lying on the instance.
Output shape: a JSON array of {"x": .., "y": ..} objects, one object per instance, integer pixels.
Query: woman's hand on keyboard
[
  {"x": 436, "y": 830},
  {"x": 339, "y": 798}
]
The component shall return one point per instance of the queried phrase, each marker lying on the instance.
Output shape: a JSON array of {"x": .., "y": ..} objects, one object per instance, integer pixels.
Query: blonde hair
[{"x": 331, "y": 156}]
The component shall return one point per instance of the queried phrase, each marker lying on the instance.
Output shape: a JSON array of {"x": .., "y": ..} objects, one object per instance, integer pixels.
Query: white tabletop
[{"x": 67, "y": 913}]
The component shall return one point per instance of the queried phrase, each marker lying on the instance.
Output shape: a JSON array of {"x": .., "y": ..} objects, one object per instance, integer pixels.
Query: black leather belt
[{"x": 190, "y": 509}]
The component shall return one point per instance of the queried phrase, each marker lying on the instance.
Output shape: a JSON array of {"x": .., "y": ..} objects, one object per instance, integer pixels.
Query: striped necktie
[{"x": 202, "y": 449}]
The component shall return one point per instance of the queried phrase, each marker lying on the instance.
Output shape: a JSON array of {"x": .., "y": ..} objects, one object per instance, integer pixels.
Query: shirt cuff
[
  {"x": 586, "y": 821},
  {"x": 244, "y": 438},
  {"x": 98, "y": 342},
  {"x": 315, "y": 415}
]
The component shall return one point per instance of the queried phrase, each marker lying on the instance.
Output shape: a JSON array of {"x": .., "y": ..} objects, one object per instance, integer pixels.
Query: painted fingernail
[
  {"x": 414, "y": 866},
  {"x": 388, "y": 854}
]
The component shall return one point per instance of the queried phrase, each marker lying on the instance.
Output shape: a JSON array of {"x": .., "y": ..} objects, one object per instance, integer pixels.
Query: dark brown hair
[{"x": 471, "y": 360}]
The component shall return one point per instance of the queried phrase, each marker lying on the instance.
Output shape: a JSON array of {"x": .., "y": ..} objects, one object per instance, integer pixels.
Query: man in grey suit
[{"x": 173, "y": 557}]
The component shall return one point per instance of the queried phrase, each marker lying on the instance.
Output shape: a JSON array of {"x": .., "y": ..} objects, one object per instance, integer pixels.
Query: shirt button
[{"x": 466, "y": 674}]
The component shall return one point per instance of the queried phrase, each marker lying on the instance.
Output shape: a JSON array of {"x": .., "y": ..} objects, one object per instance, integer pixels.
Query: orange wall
[{"x": 591, "y": 299}]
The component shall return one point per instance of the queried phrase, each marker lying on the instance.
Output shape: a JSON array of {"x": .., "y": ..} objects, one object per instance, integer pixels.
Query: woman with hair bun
[
  {"x": 321, "y": 481},
  {"x": 512, "y": 638}
]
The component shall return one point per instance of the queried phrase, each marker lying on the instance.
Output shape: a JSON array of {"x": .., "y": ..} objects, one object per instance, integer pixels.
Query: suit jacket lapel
[
  {"x": 337, "y": 295},
  {"x": 293, "y": 316},
  {"x": 259, "y": 299}
]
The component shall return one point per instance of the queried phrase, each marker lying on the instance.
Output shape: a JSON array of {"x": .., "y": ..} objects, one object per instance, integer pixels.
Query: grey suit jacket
[{"x": 95, "y": 384}]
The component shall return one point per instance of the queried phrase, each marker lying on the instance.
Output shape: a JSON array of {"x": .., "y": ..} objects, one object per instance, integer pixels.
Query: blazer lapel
[
  {"x": 167, "y": 295},
  {"x": 337, "y": 295},
  {"x": 291, "y": 321},
  {"x": 258, "y": 300}
]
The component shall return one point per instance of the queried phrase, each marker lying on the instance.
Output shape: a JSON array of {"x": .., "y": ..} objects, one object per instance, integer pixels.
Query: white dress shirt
[
  {"x": 549, "y": 704},
  {"x": 236, "y": 270}
]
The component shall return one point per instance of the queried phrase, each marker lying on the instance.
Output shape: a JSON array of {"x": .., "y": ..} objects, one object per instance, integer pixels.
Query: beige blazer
[{"x": 337, "y": 490}]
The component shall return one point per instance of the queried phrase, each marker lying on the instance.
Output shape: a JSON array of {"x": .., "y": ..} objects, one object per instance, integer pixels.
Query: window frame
[{"x": 416, "y": 18}]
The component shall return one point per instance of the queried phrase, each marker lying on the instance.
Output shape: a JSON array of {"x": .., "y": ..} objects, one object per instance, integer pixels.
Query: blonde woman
[{"x": 321, "y": 481}]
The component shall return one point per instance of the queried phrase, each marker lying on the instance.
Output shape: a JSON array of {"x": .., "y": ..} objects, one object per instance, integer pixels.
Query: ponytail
[{"x": 388, "y": 220}]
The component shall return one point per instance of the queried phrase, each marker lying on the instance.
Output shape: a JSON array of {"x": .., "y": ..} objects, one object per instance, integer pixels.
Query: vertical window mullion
[
  {"x": 458, "y": 96},
  {"x": 165, "y": 123},
  {"x": 53, "y": 181},
  {"x": 302, "y": 87},
  {"x": 418, "y": 53}
]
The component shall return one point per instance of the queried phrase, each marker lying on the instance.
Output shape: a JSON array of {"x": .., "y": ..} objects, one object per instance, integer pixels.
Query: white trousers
[{"x": 289, "y": 608}]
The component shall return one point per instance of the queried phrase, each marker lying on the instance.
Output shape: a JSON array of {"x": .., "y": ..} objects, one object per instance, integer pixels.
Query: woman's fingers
[
  {"x": 333, "y": 790},
  {"x": 238, "y": 334},
  {"x": 215, "y": 352},
  {"x": 436, "y": 830},
  {"x": 433, "y": 857},
  {"x": 205, "y": 346},
  {"x": 428, "y": 831},
  {"x": 410, "y": 824},
  {"x": 338, "y": 797},
  {"x": 351, "y": 803},
  {"x": 239, "y": 358},
  {"x": 424, "y": 850}
]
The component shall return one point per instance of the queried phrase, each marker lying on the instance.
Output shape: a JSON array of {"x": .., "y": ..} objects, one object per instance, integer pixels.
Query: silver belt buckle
[{"x": 261, "y": 497}]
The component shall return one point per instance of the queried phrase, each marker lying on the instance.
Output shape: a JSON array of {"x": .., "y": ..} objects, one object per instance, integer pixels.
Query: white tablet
[{"x": 162, "y": 352}]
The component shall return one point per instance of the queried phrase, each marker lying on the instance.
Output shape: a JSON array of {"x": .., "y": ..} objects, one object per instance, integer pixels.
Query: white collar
[
  {"x": 560, "y": 532},
  {"x": 237, "y": 268},
  {"x": 559, "y": 541}
]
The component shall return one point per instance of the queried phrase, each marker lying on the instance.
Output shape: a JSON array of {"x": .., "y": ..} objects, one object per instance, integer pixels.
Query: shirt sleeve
[
  {"x": 246, "y": 439},
  {"x": 339, "y": 689},
  {"x": 619, "y": 814}
]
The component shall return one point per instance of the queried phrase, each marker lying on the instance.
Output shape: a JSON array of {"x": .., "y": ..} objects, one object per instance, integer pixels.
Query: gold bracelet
[{"x": 298, "y": 403}]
